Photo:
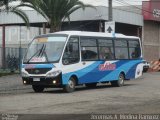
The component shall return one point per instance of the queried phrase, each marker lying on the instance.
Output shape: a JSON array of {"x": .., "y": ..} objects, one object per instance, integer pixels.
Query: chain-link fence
[{"x": 12, "y": 60}]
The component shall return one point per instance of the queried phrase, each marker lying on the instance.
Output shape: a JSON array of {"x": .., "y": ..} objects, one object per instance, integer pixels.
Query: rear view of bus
[{"x": 70, "y": 58}]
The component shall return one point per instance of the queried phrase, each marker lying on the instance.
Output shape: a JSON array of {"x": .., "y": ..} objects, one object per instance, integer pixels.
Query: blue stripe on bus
[
  {"x": 103, "y": 75},
  {"x": 130, "y": 73},
  {"x": 82, "y": 72},
  {"x": 92, "y": 73},
  {"x": 38, "y": 66}
]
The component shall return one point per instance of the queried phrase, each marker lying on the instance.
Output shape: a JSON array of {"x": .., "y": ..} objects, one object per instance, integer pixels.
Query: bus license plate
[{"x": 36, "y": 79}]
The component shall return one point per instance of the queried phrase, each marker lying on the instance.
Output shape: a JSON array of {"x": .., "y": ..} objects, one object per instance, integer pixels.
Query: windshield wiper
[
  {"x": 43, "y": 52},
  {"x": 40, "y": 53},
  {"x": 36, "y": 53},
  {"x": 46, "y": 56}
]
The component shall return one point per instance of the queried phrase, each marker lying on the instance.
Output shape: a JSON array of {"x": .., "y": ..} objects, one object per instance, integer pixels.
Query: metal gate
[{"x": 13, "y": 58}]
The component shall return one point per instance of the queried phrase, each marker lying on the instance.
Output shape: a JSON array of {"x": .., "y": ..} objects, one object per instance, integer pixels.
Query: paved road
[{"x": 141, "y": 96}]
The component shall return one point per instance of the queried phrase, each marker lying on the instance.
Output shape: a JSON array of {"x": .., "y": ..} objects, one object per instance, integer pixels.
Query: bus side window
[
  {"x": 89, "y": 53},
  {"x": 105, "y": 49},
  {"x": 89, "y": 50},
  {"x": 121, "y": 49},
  {"x": 71, "y": 53},
  {"x": 105, "y": 53},
  {"x": 134, "y": 49},
  {"x": 84, "y": 53}
]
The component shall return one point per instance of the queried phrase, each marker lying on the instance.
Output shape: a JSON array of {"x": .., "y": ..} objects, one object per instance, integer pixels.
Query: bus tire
[
  {"x": 70, "y": 87},
  {"x": 37, "y": 88},
  {"x": 91, "y": 85},
  {"x": 119, "y": 82}
]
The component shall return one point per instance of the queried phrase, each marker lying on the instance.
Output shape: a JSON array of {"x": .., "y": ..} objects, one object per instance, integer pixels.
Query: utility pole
[
  {"x": 110, "y": 13},
  {"x": 110, "y": 24}
]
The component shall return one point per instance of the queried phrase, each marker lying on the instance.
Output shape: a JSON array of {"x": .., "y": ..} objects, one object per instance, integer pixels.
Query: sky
[
  {"x": 115, "y": 2},
  {"x": 101, "y": 3}
]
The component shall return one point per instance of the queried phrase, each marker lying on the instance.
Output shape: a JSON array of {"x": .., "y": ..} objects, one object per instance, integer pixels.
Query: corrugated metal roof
[
  {"x": 132, "y": 8},
  {"x": 100, "y": 13},
  {"x": 10, "y": 18},
  {"x": 128, "y": 17}
]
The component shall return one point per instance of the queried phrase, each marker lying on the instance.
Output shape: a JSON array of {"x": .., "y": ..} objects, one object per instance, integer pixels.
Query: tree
[
  {"x": 6, "y": 7},
  {"x": 4, "y": 2},
  {"x": 55, "y": 11}
]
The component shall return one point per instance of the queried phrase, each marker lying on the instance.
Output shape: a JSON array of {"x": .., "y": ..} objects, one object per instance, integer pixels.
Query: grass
[{"x": 5, "y": 72}]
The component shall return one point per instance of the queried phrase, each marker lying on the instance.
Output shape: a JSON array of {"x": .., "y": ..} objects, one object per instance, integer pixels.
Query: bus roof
[{"x": 95, "y": 34}]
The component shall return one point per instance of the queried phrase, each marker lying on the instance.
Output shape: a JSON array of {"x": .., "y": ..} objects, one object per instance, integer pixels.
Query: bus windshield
[{"x": 45, "y": 49}]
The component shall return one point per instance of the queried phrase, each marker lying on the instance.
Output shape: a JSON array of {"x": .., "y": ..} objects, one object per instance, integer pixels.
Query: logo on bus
[
  {"x": 30, "y": 66},
  {"x": 107, "y": 66},
  {"x": 38, "y": 59}
]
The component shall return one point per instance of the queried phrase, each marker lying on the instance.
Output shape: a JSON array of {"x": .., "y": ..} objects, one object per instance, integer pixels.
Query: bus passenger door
[{"x": 71, "y": 59}]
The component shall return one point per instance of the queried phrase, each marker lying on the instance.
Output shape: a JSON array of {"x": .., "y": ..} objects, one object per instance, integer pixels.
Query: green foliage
[
  {"x": 55, "y": 11},
  {"x": 5, "y": 7},
  {"x": 4, "y": 2},
  {"x": 7, "y": 72}
]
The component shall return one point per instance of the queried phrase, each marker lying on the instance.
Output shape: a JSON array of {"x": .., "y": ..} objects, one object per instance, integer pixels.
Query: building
[
  {"x": 151, "y": 29},
  {"x": 128, "y": 21}
]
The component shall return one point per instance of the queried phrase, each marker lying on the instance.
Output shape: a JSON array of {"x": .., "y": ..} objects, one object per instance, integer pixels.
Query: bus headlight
[
  {"x": 23, "y": 74},
  {"x": 53, "y": 74}
]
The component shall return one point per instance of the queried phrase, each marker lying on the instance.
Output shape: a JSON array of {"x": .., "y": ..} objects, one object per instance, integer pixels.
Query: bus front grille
[{"x": 38, "y": 70}]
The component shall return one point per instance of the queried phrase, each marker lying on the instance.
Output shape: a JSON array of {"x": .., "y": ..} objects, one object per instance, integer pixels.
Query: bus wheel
[
  {"x": 119, "y": 82},
  {"x": 37, "y": 88},
  {"x": 91, "y": 85},
  {"x": 70, "y": 87}
]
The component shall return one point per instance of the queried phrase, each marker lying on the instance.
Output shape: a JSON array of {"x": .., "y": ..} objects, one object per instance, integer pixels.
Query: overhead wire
[
  {"x": 124, "y": 7},
  {"x": 121, "y": 2},
  {"x": 126, "y": 3},
  {"x": 90, "y": 22}
]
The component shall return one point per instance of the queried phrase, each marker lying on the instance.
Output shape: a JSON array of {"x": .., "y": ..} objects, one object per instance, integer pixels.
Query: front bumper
[{"x": 43, "y": 81}]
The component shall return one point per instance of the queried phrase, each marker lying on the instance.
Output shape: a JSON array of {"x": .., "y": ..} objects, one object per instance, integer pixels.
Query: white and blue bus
[{"x": 70, "y": 58}]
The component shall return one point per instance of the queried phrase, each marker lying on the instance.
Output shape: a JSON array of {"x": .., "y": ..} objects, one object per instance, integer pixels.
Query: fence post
[
  {"x": 3, "y": 48},
  {"x": 20, "y": 51},
  {"x": 20, "y": 59}
]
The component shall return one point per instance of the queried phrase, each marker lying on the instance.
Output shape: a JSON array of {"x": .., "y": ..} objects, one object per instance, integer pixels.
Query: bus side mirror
[{"x": 65, "y": 62}]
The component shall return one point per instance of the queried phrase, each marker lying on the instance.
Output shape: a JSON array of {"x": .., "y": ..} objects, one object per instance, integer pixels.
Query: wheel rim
[
  {"x": 71, "y": 84},
  {"x": 121, "y": 79}
]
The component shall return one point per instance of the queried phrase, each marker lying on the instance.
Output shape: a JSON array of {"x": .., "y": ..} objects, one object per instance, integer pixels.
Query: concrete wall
[
  {"x": 0, "y": 46},
  {"x": 151, "y": 40},
  {"x": 0, "y": 57}
]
